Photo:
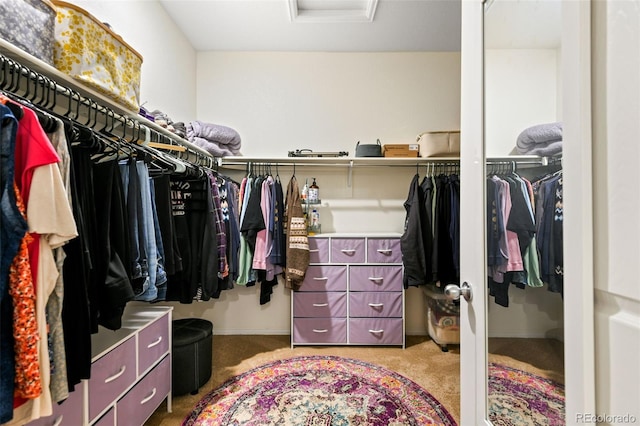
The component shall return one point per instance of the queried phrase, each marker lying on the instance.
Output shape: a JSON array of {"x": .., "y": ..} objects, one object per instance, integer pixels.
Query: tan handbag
[{"x": 439, "y": 144}]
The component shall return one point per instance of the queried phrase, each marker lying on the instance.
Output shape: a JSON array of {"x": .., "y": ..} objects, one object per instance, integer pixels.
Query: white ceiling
[
  {"x": 264, "y": 25},
  {"x": 520, "y": 24},
  {"x": 397, "y": 25}
]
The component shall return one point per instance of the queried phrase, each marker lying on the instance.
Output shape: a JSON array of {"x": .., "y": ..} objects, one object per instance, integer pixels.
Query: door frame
[
  {"x": 578, "y": 214},
  {"x": 473, "y": 328}
]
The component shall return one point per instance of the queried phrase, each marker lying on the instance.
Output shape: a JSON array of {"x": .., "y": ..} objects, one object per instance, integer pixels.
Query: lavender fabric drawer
[
  {"x": 316, "y": 305},
  {"x": 375, "y": 304},
  {"x": 347, "y": 250},
  {"x": 376, "y": 331},
  {"x": 111, "y": 375},
  {"x": 320, "y": 330},
  {"x": 153, "y": 342},
  {"x": 108, "y": 419},
  {"x": 375, "y": 278},
  {"x": 384, "y": 250},
  {"x": 318, "y": 250},
  {"x": 67, "y": 413},
  {"x": 325, "y": 278},
  {"x": 141, "y": 401}
]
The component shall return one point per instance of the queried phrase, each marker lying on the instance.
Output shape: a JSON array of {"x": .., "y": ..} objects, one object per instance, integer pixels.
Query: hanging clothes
[
  {"x": 416, "y": 254},
  {"x": 79, "y": 315},
  {"x": 430, "y": 243},
  {"x": 192, "y": 208},
  {"x": 524, "y": 223},
  {"x": 51, "y": 224},
  {"x": 229, "y": 198},
  {"x": 297, "y": 248},
  {"x": 13, "y": 228}
]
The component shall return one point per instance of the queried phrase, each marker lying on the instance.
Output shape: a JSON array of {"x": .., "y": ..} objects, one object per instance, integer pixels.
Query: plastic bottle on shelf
[
  {"x": 315, "y": 222},
  {"x": 314, "y": 192},
  {"x": 305, "y": 191}
]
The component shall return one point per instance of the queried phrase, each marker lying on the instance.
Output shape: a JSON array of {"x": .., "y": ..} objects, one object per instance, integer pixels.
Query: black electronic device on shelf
[{"x": 311, "y": 153}]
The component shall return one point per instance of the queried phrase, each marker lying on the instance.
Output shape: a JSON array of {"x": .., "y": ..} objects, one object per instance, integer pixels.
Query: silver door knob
[{"x": 453, "y": 292}]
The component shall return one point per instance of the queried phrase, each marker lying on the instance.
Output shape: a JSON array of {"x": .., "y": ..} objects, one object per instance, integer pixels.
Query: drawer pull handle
[
  {"x": 315, "y": 330},
  {"x": 320, "y": 278},
  {"x": 384, "y": 250},
  {"x": 348, "y": 251},
  {"x": 147, "y": 399},
  {"x": 58, "y": 421},
  {"x": 376, "y": 331},
  {"x": 115, "y": 376},
  {"x": 376, "y": 278},
  {"x": 314, "y": 250},
  {"x": 376, "y": 305},
  {"x": 157, "y": 342},
  {"x": 320, "y": 305}
]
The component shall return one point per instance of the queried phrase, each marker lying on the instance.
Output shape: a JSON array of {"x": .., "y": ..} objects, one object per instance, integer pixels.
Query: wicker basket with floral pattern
[{"x": 89, "y": 51}]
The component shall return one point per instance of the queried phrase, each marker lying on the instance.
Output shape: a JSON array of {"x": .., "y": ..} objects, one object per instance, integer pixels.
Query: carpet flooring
[{"x": 421, "y": 361}]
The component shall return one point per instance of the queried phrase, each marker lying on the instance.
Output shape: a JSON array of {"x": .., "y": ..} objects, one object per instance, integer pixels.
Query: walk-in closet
[{"x": 204, "y": 240}]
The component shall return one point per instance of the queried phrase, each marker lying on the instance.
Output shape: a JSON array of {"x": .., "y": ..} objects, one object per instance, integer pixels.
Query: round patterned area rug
[
  {"x": 319, "y": 391},
  {"x": 518, "y": 398}
]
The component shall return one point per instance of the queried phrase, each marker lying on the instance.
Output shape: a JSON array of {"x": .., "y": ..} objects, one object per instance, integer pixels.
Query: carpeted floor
[{"x": 421, "y": 361}]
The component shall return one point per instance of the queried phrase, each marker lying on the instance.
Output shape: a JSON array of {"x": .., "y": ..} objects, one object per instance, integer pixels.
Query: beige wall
[
  {"x": 168, "y": 80},
  {"x": 281, "y": 101},
  {"x": 521, "y": 91}
]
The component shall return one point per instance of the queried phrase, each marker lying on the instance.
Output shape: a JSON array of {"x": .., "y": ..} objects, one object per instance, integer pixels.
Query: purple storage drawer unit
[
  {"x": 153, "y": 343},
  {"x": 376, "y": 331},
  {"x": 67, "y": 413},
  {"x": 325, "y": 278},
  {"x": 375, "y": 278},
  {"x": 141, "y": 401},
  {"x": 320, "y": 305},
  {"x": 318, "y": 250},
  {"x": 347, "y": 250},
  {"x": 383, "y": 250},
  {"x": 368, "y": 304},
  {"x": 320, "y": 330},
  {"x": 111, "y": 375}
]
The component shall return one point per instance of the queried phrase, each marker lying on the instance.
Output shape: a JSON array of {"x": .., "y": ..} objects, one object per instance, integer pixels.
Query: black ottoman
[{"x": 191, "y": 350}]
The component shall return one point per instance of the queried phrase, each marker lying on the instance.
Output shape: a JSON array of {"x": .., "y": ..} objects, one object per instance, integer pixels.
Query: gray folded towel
[
  {"x": 542, "y": 139},
  {"x": 224, "y": 138}
]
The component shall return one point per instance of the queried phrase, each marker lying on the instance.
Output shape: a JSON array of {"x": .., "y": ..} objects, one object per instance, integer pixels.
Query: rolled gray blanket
[
  {"x": 542, "y": 139},
  {"x": 226, "y": 138}
]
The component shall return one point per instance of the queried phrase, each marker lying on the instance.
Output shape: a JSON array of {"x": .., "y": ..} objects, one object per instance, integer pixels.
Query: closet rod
[
  {"x": 375, "y": 162},
  {"x": 47, "y": 93}
]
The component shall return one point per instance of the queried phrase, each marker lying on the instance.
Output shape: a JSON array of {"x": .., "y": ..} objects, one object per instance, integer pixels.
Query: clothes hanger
[{"x": 16, "y": 109}]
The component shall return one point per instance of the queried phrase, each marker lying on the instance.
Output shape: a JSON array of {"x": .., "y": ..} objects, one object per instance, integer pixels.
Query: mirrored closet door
[{"x": 523, "y": 120}]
